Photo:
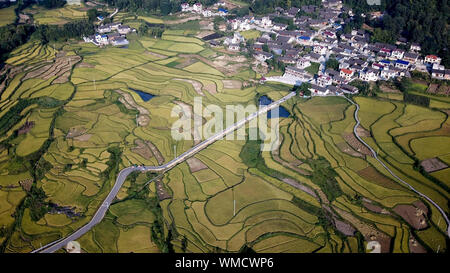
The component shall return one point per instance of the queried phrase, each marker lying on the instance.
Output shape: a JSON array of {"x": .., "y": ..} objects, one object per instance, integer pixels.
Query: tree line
[{"x": 420, "y": 21}]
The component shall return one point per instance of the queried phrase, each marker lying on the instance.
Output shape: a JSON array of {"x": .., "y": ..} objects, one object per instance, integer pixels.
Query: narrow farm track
[
  {"x": 123, "y": 174},
  {"x": 391, "y": 172}
]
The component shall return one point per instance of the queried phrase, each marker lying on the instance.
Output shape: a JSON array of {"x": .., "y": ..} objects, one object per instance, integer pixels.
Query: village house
[
  {"x": 438, "y": 74},
  {"x": 303, "y": 63},
  {"x": 322, "y": 50},
  {"x": 318, "y": 90},
  {"x": 411, "y": 57},
  {"x": 349, "y": 89},
  {"x": 207, "y": 13},
  {"x": 266, "y": 22},
  {"x": 198, "y": 7},
  {"x": 287, "y": 60},
  {"x": 262, "y": 56},
  {"x": 236, "y": 39},
  {"x": 101, "y": 39},
  {"x": 314, "y": 57},
  {"x": 104, "y": 29},
  {"x": 185, "y": 7},
  {"x": 298, "y": 74},
  {"x": 346, "y": 74},
  {"x": 397, "y": 54},
  {"x": 339, "y": 80},
  {"x": 234, "y": 47},
  {"x": 387, "y": 74},
  {"x": 415, "y": 47},
  {"x": 447, "y": 74},
  {"x": 324, "y": 80},
  {"x": 124, "y": 29},
  {"x": 401, "y": 64},
  {"x": 432, "y": 59},
  {"x": 120, "y": 41},
  {"x": 369, "y": 75},
  {"x": 278, "y": 26}
]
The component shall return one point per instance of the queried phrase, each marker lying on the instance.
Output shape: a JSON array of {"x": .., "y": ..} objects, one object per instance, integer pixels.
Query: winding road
[
  {"x": 98, "y": 216},
  {"x": 391, "y": 172},
  {"x": 123, "y": 174}
]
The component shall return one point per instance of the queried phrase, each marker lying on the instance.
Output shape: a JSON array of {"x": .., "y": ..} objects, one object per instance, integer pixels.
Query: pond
[
  {"x": 144, "y": 96},
  {"x": 282, "y": 112}
]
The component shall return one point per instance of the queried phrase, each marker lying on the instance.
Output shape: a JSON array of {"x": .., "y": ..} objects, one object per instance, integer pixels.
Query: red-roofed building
[
  {"x": 346, "y": 73},
  {"x": 432, "y": 59}
]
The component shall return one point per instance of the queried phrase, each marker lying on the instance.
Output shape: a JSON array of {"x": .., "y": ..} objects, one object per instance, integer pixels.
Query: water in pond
[
  {"x": 144, "y": 96},
  {"x": 282, "y": 112}
]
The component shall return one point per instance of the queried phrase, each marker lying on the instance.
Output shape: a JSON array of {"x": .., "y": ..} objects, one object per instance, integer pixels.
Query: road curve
[
  {"x": 98, "y": 216},
  {"x": 391, "y": 172}
]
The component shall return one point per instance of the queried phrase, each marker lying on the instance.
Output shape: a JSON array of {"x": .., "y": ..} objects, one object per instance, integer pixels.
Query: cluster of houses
[
  {"x": 110, "y": 34},
  {"x": 197, "y": 8},
  {"x": 357, "y": 57}
]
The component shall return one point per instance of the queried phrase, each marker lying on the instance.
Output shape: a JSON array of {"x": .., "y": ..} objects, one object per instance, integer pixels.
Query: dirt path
[
  {"x": 184, "y": 20},
  {"x": 188, "y": 113},
  {"x": 197, "y": 85},
  {"x": 143, "y": 119}
]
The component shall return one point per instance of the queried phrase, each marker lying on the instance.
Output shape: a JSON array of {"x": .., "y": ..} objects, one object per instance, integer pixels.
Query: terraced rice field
[
  {"x": 7, "y": 15},
  {"x": 57, "y": 16},
  {"x": 309, "y": 194}
]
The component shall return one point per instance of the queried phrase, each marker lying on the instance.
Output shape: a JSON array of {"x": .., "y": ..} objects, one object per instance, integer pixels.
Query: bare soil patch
[
  {"x": 204, "y": 33},
  {"x": 433, "y": 164},
  {"x": 143, "y": 119},
  {"x": 142, "y": 149},
  {"x": 85, "y": 65},
  {"x": 415, "y": 246},
  {"x": 156, "y": 153},
  {"x": 362, "y": 132},
  {"x": 357, "y": 145},
  {"x": 197, "y": 85},
  {"x": 232, "y": 84},
  {"x": 369, "y": 232},
  {"x": 26, "y": 127},
  {"x": 75, "y": 132},
  {"x": 375, "y": 208},
  {"x": 61, "y": 68},
  {"x": 299, "y": 186},
  {"x": 344, "y": 227},
  {"x": 161, "y": 191},
  {"x": 432, "y": 88},
  {"x": 155, "y": 54},
  {"x": 83, "y": 138},
  {"x": 196, "y": 165},
  {"x": 388, "y": 89},
  {"x": 372, "y": 175},
  {"x": 26, "y": 184},
  {"x": 415, "y": 216},
  {"x": 188, "y": 113},
  {"x": 345, "y": 148},
  {"x": 211, "y": 88}
]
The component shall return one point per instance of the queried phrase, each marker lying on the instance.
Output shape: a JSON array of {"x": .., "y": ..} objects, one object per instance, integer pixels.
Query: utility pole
[
  {"x": 234, "y": 207},
  {"x": 174, "y": 151}
]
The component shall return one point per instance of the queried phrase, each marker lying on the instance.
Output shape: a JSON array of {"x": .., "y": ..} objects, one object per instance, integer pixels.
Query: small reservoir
[
  {"x": 144, "y": 96},
  {"x": 282, "y": 112}
]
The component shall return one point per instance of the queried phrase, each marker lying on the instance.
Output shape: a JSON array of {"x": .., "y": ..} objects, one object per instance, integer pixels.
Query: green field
[
  {"x": 74, "y": 132},
  {"x": 7, "y": 15}
]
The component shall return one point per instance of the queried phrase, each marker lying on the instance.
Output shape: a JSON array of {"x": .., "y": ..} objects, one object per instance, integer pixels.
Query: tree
[
  {"x": 166, "y": 7},
  {"x": 52, "y": 4},
  {"x": 92, "y": 15},
  {"x": 332, "y": 63},
  {"x": 304, "y": 88}
]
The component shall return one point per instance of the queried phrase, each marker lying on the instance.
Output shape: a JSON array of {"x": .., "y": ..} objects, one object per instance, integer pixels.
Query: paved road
[
  {"x": 98, "y": 216},
  {"x": 391, "y": 172}
]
